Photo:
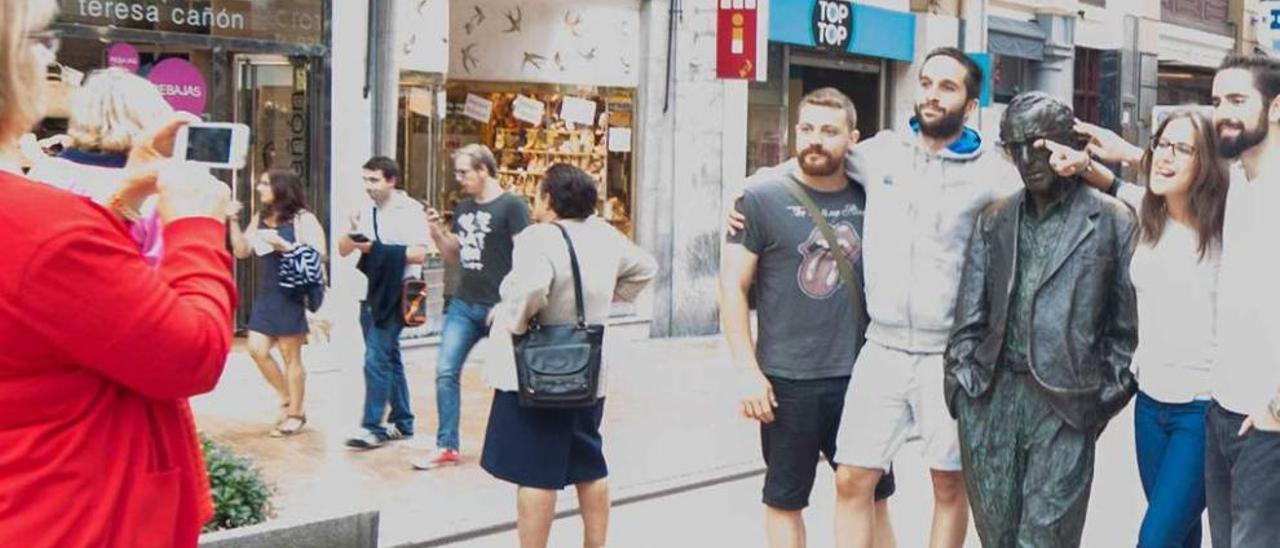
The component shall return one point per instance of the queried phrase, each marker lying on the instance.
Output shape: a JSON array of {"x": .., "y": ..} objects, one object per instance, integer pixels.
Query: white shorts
[{"x": 890, "y": 392}]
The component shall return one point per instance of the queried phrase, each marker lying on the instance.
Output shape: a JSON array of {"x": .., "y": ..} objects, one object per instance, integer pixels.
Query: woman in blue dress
[{"x": 278, "y": 319}]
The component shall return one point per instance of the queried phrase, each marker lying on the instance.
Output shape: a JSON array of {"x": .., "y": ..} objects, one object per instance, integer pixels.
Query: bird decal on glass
[
  {"x": 474, "y": 21},
  {"x": 469, "y": 58},
  {"x": 514, "y": 20},
  {"x": 573, "y": 21},
  {"x": 532, "y": 59}
]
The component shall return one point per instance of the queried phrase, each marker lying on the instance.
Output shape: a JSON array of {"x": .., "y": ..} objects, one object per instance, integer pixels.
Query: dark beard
[
  {"x": 947, "y": 126},
  {"x": 1233, "y": 148},
  {"x": 830, "y": 167}
]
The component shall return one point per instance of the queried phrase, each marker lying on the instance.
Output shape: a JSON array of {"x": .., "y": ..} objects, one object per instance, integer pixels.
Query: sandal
[{"x": 292, "y": 424}]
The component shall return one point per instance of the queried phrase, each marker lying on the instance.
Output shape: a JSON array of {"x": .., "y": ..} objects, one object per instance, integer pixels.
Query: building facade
[{"x": 625, "y": 89}]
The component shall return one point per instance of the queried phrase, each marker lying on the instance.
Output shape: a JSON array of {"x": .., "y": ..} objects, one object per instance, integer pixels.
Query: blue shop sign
[{"x": 872, "y": 31}]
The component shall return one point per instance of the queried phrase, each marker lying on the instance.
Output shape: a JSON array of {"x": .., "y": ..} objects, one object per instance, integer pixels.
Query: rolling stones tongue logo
[{"x": 819, "y": 276}]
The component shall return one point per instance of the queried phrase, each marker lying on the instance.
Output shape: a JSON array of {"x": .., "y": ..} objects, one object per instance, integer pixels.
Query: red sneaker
[{"x": 437, "y": 459}]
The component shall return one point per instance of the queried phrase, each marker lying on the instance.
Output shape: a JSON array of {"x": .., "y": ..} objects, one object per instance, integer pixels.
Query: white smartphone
[{"x": 217, "y": 145}]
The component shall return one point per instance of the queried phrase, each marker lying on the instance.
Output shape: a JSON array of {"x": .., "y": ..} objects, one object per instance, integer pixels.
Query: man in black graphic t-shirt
[{"x": 480, "y": 240}]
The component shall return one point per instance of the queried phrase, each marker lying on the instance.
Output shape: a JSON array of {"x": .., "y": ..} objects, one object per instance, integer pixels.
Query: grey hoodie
[{"x": 921, "y": 208}]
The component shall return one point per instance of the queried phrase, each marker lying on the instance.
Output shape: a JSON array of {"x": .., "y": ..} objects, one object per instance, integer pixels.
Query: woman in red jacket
[{"x": 98, "y": 351}]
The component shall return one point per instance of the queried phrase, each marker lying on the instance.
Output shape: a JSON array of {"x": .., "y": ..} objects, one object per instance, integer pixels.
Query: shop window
[
  {"x": 1208, "y": 15},
  {"x": 530, "y": 127},
  {"x": 767, "y": 116},
  {"x": 1009, "y": 77},
  {"x": 418, "y": 152},
  {"x": 1088, "y": 85}
]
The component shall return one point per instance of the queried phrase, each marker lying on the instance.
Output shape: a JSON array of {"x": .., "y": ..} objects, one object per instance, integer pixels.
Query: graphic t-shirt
[
  {"x": 485, "y": 233},
  {"x": 807, "y": 324}
]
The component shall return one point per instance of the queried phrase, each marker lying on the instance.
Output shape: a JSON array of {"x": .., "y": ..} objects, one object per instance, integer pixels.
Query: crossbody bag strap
[
  {"x": 847, "y": 273},
  {"x": 577, "y": 276}
]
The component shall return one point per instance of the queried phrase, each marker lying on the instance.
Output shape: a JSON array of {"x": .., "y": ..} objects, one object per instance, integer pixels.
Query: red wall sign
[{"x": 736, "y": 29}]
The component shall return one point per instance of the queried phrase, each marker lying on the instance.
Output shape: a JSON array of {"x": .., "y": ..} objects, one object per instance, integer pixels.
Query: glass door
[
  {"x": 423, "y": 166},
  {"x": 272, "y": 99}
]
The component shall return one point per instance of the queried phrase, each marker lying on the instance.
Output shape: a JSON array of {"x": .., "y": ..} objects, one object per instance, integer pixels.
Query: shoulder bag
[{"x": 558, "y": 366}]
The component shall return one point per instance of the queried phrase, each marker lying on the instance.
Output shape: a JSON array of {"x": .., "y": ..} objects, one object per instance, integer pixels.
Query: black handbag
[{"x": 558, "y": 366}]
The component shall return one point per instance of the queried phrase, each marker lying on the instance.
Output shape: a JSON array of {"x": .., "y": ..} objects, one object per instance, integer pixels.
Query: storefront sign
[
  {"x": 872, "y": 31},
  {"x": 832, "y": 24},
  {"x": 123, "y": 55},
  {"x": 1269, "y": 28},
  {"x": 988, "y": 76},
  {"x": 528, "y": 110},
  {"x": 181, "y": 84},
  {"x": 478, "y": 108},
  {"x": 578, "y": 111},
  {"x": 299, "y": 21},
  {"x": 736, "y": 43}
]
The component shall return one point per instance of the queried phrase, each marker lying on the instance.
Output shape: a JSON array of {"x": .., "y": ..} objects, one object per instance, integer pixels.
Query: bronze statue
[{"x": 1046, "y": 324}]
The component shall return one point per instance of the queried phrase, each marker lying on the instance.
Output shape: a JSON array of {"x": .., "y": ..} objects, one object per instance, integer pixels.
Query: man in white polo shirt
[
  {"x": 1242, "y": 461},
  {"x": 396, "y": 224}
]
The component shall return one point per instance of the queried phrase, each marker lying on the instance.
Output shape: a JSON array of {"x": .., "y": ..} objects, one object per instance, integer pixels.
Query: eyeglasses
[
  {"x": 48, "y": 39},
  {"x": 1176, "y": 150}
]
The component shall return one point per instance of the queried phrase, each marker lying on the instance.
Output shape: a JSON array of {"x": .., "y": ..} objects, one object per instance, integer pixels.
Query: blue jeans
[
  {"x": 1171, "y": 442},
  {"x": 464, "y": 325},
  {"x": 384, "y": 381}
]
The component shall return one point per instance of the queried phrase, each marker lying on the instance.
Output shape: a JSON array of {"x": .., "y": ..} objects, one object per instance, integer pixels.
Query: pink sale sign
[
  {"x": 181, "y": 84},
  {"x": 124, "y": 56}
]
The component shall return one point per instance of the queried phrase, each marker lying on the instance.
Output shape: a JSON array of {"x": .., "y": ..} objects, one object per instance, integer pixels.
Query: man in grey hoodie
[{"x": 925, "y": 189}]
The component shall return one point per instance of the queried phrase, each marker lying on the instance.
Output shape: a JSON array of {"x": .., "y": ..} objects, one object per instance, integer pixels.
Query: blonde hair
[
  {"x": 21, "y": 79},
  {"x": 113, "y": 109}
]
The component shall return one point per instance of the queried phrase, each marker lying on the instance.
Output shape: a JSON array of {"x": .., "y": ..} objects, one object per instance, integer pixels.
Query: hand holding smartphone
[{"x": 213, "y": 144}]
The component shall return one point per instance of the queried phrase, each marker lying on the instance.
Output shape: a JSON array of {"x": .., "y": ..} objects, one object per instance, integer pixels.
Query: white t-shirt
[
  {"x": 1246, "y": 372},
  {"x": 401, "y": 222},
  {"x": 1177, "y": 311}
]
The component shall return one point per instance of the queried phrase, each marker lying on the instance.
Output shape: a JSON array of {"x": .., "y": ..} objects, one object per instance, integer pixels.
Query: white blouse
[{"x": 1177, "y": 312}]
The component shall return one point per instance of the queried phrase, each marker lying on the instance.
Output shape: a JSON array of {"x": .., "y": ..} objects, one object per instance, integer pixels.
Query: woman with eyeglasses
[
  {"x": 1175, "y": 273},
  {"x": 99, "y": 351}
]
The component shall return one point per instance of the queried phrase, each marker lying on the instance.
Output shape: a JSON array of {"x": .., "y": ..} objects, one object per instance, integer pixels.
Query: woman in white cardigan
[{"x": 545, "y": 450}]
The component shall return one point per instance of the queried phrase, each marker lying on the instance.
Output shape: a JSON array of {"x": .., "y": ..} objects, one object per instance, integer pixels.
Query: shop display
[{"x": 524, "y": 149}]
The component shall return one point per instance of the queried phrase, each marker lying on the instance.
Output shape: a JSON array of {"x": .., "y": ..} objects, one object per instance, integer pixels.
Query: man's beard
[
  {"x": 829, "y": 167},
  {"x": 948, "y": 125},
  {"x": 1244, "y": 140}
]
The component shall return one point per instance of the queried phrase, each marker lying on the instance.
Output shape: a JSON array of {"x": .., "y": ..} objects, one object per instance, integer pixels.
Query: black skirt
[{"x": 543, "y": 448}]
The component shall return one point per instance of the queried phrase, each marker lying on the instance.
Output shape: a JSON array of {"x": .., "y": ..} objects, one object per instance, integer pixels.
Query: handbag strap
[
  {"x": 847, "y": 273},
  {"x": 577, "y": 276}
]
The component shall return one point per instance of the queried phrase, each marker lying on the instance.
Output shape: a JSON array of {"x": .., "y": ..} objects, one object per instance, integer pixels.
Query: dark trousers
[
  {"x": 1028, "y": 473},
  {"x": 384, "y": 381},
  {"x": 1170, "y": 441},
  {"x": 1242, "y": 482}
]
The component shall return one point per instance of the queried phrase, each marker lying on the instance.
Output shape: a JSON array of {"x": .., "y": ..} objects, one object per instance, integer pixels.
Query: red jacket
[{"x": 98, "y": 353}]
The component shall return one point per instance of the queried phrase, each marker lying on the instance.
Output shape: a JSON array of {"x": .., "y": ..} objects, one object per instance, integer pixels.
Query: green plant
[{"x": 240, "y": 496}]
